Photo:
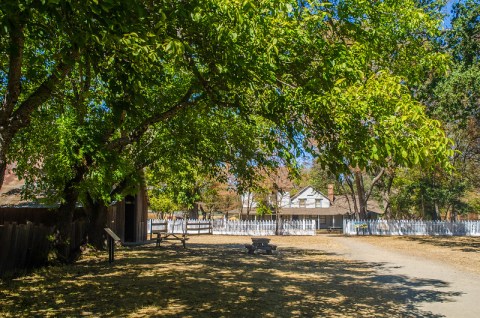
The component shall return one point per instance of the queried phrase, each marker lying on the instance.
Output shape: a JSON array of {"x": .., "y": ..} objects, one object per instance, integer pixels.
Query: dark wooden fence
[{"x": 24, "y": 246}]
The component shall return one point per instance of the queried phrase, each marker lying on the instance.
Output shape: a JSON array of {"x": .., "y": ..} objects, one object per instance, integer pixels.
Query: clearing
[{"x": 324, "y": 275}]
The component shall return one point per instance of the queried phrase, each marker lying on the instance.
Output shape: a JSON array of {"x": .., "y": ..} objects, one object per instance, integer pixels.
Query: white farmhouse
[
  {"x": 328, "y": 211},
  {"x": 307, "y": 204}
]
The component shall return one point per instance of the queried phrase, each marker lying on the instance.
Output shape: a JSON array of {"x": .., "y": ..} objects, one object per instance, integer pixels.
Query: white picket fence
[
  {"x": 408, "y": 227},
  {"x": 251, "y": 228},
  {"x": 263, "y": 228}
]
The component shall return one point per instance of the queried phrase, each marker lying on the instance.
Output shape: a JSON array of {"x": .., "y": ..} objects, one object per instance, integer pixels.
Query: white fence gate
[
  {"x": 407, "y": 227},
  {"x": 252, "y": 228}
]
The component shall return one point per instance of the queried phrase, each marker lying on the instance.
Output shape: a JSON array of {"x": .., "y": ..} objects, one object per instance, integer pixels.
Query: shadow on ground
[
  {"x": 464, "y": 244},
  {"x": 218, "y": 281}
]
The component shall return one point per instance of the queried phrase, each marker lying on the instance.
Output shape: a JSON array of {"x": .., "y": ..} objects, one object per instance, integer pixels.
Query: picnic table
[
  {"x": 334, "y": 228},
  {"x": 163, "y": 234},
  {"x": 260, "y": 243}
]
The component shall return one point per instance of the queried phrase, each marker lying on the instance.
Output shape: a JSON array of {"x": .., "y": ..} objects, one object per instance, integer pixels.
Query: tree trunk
[
  {"x": 354, "y": 200},
  {"x": 65, "y": 252},
  {"x": 193, "y": 213},
  {"x": 277, "y": 212},
  {"x": 436, "y": 215},
  {"x": 277, "y": 222},
  {"x": 97, "y": 221},
  {"x": 362, "y": 206},
  {"x": 386, "y": 198},
  {"x": 4, "y": 144},
  {"x": 15, "y": 115}
]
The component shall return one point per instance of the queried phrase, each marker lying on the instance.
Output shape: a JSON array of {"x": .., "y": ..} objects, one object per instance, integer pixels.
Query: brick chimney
[{"x": 330, "y": 192}]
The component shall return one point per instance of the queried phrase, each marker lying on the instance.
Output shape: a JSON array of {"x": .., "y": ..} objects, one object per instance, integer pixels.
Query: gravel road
[{"x": 396, "y": 268}]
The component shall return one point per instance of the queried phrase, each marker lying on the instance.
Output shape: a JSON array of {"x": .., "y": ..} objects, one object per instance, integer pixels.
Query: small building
[{"x": 127, "y": 218}]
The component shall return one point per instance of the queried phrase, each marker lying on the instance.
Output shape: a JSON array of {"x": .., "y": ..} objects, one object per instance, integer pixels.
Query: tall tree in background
[
  {"x": 366, "y": 121},
  {"x": 454, "y": 100}
]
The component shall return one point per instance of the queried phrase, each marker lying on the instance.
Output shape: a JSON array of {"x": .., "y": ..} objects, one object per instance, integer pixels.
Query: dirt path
[{"x": 395, "y": 266}]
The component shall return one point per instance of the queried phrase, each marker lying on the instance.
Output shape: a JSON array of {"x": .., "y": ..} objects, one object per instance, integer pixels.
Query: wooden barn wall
[
  {"x": 37, "y": 215},
  {"x": 141, "y": 210},
  {"x": 116, "y": 219},
  {"x": 23, "y": 215}
]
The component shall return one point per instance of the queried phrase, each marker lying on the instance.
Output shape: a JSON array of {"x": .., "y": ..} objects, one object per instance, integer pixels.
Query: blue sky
[{"x": 447, "y": 10}]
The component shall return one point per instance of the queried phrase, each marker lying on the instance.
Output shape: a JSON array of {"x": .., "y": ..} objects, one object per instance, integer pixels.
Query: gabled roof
[{"x": 306, "y": 188}]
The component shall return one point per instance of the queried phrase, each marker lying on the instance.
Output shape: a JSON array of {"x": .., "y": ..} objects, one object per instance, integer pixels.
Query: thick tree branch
[
  {"x": 119, "y": 143},
  {"x": 352, "y": 193},
  {"x": 205, "y": 84},
  {"x": 17, "y": 39},
  {"x": 21, "y": 117},
  {"x": 374, "y": 181}
]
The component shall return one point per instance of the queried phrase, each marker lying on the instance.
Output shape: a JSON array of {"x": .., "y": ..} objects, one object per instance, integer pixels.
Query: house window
[
  {"x": 318, "y": 203},
  {"x": 322, "y": 219},
  {"x": 302, "y": 203}
]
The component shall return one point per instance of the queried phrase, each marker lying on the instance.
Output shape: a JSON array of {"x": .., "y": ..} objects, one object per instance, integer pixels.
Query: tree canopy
[{"x": 93, "y": 92}]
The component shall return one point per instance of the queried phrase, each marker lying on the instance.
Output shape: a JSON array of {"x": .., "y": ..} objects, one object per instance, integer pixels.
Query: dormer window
[{"x": 318, "y": 203}]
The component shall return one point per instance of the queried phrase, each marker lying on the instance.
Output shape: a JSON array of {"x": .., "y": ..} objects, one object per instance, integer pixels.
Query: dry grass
[
  {"x": 214, "y": 277},
  {"x": 460, "y": 252}
]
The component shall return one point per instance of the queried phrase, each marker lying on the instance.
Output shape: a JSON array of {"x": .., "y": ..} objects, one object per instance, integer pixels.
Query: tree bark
[
  {"x": 354, "y": 200},
  {"x": 97, "y": 221},
  {"x": 66, "y": 253},
  {"x": 11, "y": 121},
  {"x": 362, "y": 206},
  {"x": 15, "y": 54},
  {"x": 436, "y": 215},
  {"x": 386, "y": 197},
  {"x": 4, "y": 145}
]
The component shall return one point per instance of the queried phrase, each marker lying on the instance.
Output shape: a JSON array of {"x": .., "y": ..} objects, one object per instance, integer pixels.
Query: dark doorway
[{"x": 129, "y": 218}]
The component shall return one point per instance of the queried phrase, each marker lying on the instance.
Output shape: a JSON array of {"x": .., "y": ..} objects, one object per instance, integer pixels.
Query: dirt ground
[
  {"x": 459, "y": 252},
  {"x": 214, "y": 277}
]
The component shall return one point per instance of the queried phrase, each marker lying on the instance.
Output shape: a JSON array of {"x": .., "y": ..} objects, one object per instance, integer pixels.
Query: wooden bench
[
  {"x": 260, "y": 244},
  {"x": 191, "y": 228}
]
